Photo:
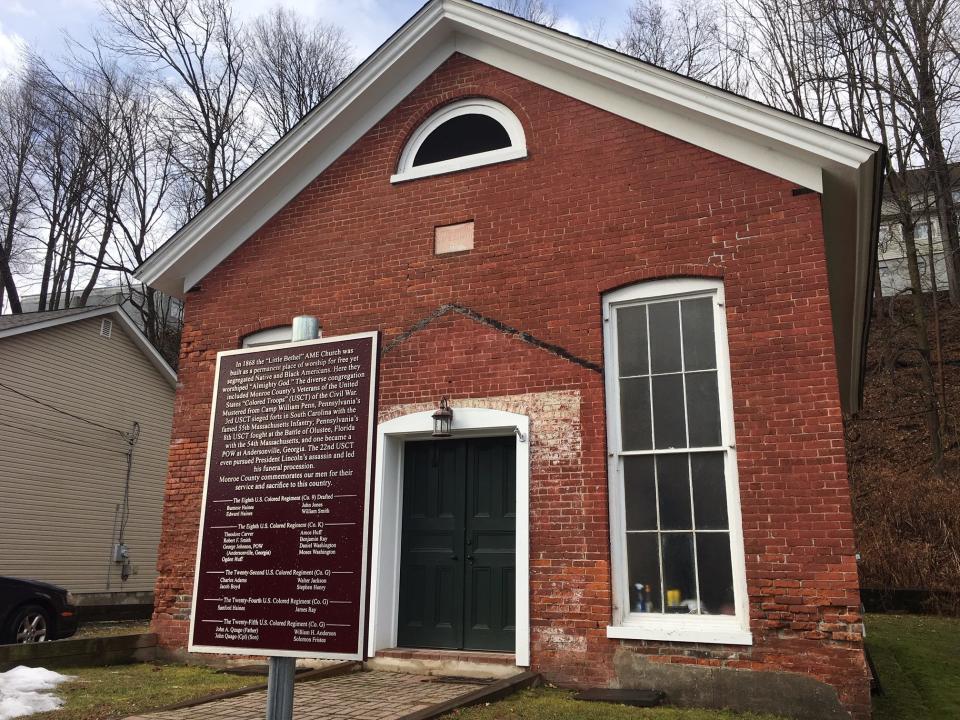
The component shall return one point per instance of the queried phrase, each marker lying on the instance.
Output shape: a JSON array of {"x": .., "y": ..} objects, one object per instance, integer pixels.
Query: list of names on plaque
[{"x": 280, "y": 564}]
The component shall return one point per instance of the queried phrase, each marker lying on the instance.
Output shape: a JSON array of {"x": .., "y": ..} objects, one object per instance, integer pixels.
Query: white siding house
[
  {"x": 82, "y": 392},
  {"x": 892, "y": 253}
]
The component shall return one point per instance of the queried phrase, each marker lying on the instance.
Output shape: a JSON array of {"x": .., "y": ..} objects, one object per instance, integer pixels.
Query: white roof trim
[
  {"x": 116, "y": 313},
  {"x": 841, "y": 167}
]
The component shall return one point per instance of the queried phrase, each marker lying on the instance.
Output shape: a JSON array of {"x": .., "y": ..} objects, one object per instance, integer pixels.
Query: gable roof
[
  {"x": 20, "y": 324},
  {"x": 845, "y": 169},
  {"x": 8, "y": 322}
]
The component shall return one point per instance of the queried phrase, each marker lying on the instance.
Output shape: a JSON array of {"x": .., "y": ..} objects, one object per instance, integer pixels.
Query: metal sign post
[{"x": 283, "y": 669}]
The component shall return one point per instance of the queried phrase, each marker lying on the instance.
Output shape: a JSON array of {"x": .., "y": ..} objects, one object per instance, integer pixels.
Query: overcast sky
[{"x": 42, "y": 23}]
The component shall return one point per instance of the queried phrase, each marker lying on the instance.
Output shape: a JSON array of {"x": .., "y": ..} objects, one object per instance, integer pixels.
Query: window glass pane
[
  {"x": 462, "y": 135},
  {"x": 703, "y": 409},
  {"x": 674, "y": 486},
  {"x": 709, "y": 491},
  {"x": 665, "y": 336},
  {"x": 632, "y": 340},
  {"x": 668, "y": 420},
  {"x": 640, "y": 493},
  {"x": 635, "y": 414},
  {"x": 679, "y": 587},
  {"x": 643, "y": 562},
  {"x": 699, "y": 347},
  {"x": 716, "y": 573}
]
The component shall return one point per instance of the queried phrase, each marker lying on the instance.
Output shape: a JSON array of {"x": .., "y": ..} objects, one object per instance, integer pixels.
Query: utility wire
[
  {"x": 121, "y": 433},
  {"x": 34, "y": 433}
]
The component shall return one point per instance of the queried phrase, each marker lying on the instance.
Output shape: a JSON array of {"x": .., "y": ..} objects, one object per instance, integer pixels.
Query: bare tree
[
  {"x": 63, "y": 180},
  {"x": 541, "y": 12},
  {"x": 142, "y": 217},
  {"x": 197, "y": 47},
  {"x": 901, "y": 138},
  {"x": 682, "y": 38},
  {"x": 293, "y": 65},
  {"x": 697, "y": 38},
  {"x": 920, "y": 37},
  {"x": 790, "y": 56},
  {"x": 132, "y": 192},
  {"x": 104, "y": 97},
  {"x": 18, "y": 136}
]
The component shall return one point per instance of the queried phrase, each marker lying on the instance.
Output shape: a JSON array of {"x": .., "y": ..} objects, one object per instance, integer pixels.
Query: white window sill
[
  {"x": 460, "y": 163},
  {"x": 688, "y": 630}
]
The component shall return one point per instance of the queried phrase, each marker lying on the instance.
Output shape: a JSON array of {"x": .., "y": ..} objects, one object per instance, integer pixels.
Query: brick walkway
[{"x": 374, "y": 695}]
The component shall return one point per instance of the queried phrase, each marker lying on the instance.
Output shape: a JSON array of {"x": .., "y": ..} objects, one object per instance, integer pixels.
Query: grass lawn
[
  {"x": 918, "y": 661},
  {"x": 109, "y": 628},
  {"x": 104, "y": 692},
  {"x": 917, "y": 658},
  {"x": 555, "y": 704}
]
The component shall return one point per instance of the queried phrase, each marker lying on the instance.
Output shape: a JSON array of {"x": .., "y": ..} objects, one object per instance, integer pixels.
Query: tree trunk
[
  {"x": 8, "y": 285},
  {"x": 209, "y": 173},
  {"x": 932, "y": 416},
  {"x": 105, "y": 236},
  {"x": 47, "y": 270},
  {"x": 939, "y": 167}
]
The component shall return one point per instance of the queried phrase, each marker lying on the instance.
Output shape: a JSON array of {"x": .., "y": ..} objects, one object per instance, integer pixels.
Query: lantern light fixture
[{"x": 443, "y": 420}]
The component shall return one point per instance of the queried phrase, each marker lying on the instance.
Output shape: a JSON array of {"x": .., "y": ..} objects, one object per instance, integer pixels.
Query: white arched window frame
[
  {"x": 474, "y": 106},
  {"x": 270, "y": 336}
]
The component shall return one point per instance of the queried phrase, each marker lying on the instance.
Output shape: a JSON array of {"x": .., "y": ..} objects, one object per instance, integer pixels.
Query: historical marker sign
[{"x": 281, "y": 559}]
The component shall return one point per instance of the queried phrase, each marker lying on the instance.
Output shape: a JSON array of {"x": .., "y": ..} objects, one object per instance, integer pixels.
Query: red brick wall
[{"x": 600, "y": 202}]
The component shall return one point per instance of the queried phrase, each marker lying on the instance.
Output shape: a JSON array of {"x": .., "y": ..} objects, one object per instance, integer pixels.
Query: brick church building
[{"x": 646, "y": 301}]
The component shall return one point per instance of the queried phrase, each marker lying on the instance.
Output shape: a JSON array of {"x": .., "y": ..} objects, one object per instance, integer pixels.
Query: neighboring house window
[
  {"x": 462, "y": 135},
  {"x": 676, "y": 537},
  {"x": 271, "y": 336}
]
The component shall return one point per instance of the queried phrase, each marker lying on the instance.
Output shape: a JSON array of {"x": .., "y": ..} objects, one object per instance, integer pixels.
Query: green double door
[{"x": 457, "y": 552}]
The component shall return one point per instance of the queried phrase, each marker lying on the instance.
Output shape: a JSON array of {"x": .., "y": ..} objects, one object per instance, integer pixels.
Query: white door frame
[{"x": 387, "y": 508}]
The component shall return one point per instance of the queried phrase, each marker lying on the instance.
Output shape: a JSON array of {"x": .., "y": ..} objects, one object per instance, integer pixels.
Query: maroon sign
[{"x": 281, "y": 558}]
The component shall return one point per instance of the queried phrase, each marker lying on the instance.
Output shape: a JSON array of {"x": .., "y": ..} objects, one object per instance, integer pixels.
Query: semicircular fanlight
[{"x": 462, "y": 135}]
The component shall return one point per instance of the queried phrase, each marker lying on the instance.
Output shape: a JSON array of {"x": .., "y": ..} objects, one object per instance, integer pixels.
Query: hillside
[{"x": 907, "y": 518}]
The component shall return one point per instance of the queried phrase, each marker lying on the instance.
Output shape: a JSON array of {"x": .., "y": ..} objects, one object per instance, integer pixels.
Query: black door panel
[{"x": 457, "y": 567}]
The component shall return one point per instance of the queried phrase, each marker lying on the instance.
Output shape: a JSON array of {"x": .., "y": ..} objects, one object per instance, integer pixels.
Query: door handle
[{"x": 470, "y": 558}]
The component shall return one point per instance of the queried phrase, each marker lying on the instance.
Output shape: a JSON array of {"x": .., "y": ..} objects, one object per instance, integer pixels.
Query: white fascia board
[
  {"x": 651, "y": 111},
  {"x": 116, "y": 313},
  {"x": 684, "y": 94}
]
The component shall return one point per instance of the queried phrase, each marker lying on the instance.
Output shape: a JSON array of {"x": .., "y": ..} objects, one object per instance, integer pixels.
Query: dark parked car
[{"x": 32, "y": 611}]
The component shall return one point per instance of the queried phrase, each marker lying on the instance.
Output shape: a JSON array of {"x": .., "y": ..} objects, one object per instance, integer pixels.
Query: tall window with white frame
[{"x": 676, "y": 542}]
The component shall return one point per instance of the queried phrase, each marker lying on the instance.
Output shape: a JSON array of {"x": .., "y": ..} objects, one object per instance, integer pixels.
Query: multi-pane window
[{"x": 671, "y": 451}]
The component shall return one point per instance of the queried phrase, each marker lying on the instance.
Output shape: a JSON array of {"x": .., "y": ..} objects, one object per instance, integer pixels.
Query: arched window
[
  {"x": 462, "y": 135},
  {"x": 270, "y": 336}
]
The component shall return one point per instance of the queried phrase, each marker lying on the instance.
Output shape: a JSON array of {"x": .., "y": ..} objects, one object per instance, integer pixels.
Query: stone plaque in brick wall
[
  {"x": 453, "y": 238},
  {"x": 281, "y": 558}
]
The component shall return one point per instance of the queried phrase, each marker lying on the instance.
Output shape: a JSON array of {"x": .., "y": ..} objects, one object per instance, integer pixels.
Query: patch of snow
[{"x": 25, "y": 690}]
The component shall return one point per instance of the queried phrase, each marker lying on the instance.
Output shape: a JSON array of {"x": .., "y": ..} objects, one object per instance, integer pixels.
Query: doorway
[{"x": 458, "y": 545}]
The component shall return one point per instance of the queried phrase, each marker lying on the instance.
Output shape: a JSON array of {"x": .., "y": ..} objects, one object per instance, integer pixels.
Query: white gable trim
[
  {"x": 845, "y": 169},
  {"x": 116, "y": 314}
]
